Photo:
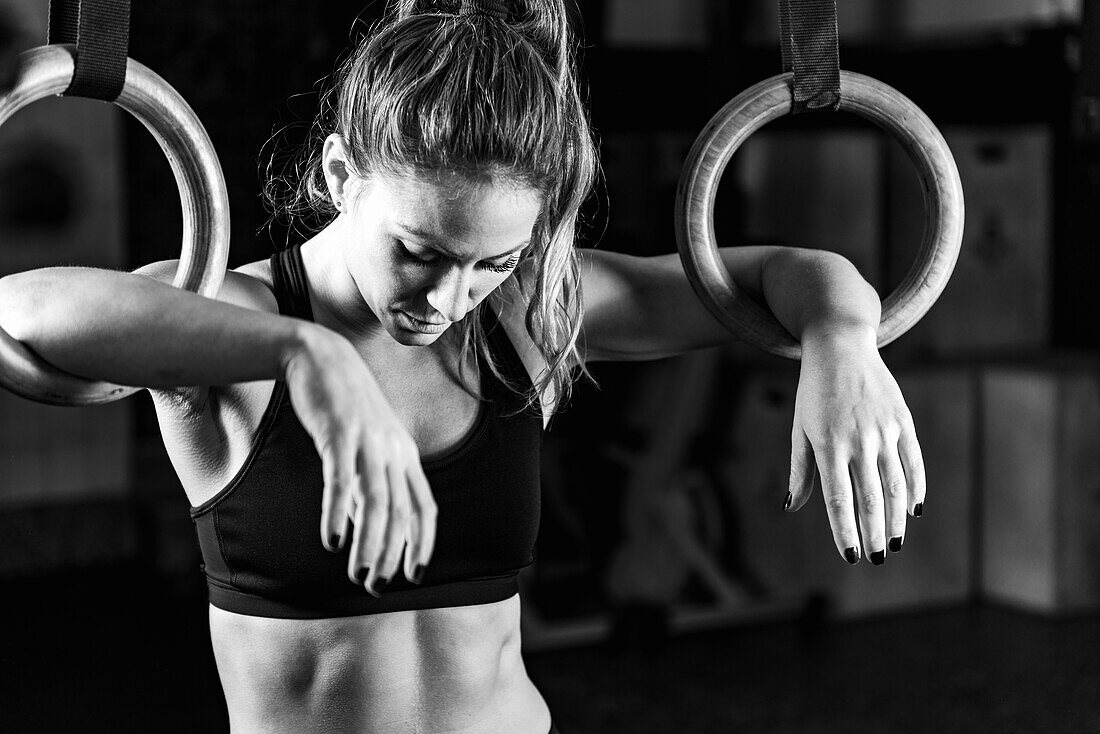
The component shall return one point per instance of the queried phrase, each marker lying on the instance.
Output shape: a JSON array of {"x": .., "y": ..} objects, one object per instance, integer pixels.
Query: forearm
[
  {"x": 645, "y": 308},
  {"x": 819, "y": 295},
  {"x": 133, "y": 330}
]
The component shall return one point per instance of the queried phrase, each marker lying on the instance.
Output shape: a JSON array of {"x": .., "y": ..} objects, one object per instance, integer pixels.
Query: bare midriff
[{"x": 457, "y": 670}]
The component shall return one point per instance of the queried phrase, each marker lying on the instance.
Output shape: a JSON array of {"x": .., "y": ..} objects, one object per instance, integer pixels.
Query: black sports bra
[{"x": 260, "y": 535}]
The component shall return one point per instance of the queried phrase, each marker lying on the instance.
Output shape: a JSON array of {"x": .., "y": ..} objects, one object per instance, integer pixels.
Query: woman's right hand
[{"x": 374, "y": 486}]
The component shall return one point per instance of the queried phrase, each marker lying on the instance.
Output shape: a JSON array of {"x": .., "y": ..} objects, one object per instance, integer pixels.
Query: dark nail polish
[
  {"x": 918, "y": 509},
  {"x": 418, "y": 573},
  {"x": 334, "y": 542},
  {"x": 379, "y": 585},
  {"x": 361, "y": 574},
  {"x": 851, "y": 555},
  {"x": 878, "y": 558},
  {"x": 790, "y": 499},
  {"x": 895, "y": 545}
]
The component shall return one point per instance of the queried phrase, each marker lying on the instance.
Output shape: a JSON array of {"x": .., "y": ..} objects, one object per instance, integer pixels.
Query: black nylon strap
[
  {"x": 64, "y": 21},
  {"x": 288, "y": 275},
  {"x": 811, "y": 50},
  {"x": 101, "y": 31}
]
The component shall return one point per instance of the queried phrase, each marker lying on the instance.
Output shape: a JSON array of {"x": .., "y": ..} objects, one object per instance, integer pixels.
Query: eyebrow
[{"x": 434, "y": 244}]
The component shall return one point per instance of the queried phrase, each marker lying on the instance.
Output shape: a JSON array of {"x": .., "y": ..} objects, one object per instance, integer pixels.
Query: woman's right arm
[
  {"x": 135, "y": 330},
  {"x": 132, "y": 329}
]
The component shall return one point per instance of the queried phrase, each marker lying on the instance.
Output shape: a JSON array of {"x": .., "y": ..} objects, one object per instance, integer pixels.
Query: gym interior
[{"x": 670, "y": 592}]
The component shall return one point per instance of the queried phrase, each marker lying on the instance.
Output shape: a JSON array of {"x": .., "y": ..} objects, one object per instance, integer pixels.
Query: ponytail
[
  {"x": 545, "y": 23},
  {"x": 483, "y": 88}
]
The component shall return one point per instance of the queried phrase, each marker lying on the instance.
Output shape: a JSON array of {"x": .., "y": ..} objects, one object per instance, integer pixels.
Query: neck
[{"x": 336, "y": 300}]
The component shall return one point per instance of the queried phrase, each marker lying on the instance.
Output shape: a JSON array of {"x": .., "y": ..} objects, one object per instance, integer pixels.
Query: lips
[
  {"x": 424, "y": 326},
  {"x": 426, "y": 321}
]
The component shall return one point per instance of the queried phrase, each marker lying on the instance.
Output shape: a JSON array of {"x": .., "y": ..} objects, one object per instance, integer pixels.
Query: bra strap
[{"x": 288, "y": 274}]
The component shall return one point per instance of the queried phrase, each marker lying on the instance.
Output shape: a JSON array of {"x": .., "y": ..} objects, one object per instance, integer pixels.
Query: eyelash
[{"x": 504, "y": 267}]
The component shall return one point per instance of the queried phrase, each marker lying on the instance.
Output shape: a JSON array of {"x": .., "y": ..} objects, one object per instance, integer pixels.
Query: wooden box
[
  {"x": 934, "y": 568},
  {"x": 998, "y": 298},
  {"x": 794, "y": 554},
  {"x": 1041, "y": 489},
  {"x": 817, "y": 189}
]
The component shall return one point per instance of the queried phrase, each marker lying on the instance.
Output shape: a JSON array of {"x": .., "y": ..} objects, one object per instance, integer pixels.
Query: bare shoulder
[
  {"x": 249, "y": 286},
  {"x": 608, "y": 277}
]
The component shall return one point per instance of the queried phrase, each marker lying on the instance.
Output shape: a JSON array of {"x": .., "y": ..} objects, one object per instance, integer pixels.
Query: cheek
[
  {"x": 486, "y": 284},
  {"x": 381, "y": 273},
  {"x": 483, "y": 286},
  {"x": 396, "y": 280},
  {"x": 405, "y": 281}
]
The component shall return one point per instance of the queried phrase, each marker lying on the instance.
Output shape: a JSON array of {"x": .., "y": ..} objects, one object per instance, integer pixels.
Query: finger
[
  {"x": 913, "y": 463},
  {"x": 836, "y": 488},
  {"x": 896, "y": 495},
  {"x": 370, "y": 523},
  {"x": 422, "y": 525},
  {"x": 410, "y": 568},
  {"x": 349, "y": 519},
  {"x": 870, "y": 506},
  {"x": 338, "y": 471},
  {"x": 803, "y": 471},
  {"x": 397, "y": 525}
]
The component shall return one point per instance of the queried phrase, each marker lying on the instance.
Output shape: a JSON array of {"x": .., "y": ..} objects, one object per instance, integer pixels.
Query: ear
[{"x": 339, "y": 173}]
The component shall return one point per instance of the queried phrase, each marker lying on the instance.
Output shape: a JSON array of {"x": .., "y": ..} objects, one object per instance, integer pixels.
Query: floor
[
  {"x": 134, "y": 658},
  {"x": 968, "y": 671}
]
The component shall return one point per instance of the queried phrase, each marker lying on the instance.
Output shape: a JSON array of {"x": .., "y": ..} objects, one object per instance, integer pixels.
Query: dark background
[{"x": 105, "y": 607}]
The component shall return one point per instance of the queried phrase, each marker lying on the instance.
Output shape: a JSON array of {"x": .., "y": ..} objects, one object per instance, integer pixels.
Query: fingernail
[
  {"x": 361, "y": 574},
  {"x": 379, "y": 585},
  {"x": 878, "y": 557},
  {"x": 895, "y": 545},
  {"x": 918, "y": 509},
  {"x": 790, "y": 499},
  {"x": 851, "y": 555},
  {"x": 418, "y": 573},
  {"x": 334, "y": 541}
]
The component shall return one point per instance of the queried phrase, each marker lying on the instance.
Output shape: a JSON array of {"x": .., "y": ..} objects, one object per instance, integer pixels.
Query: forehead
[{"x": 476, "y": 216}]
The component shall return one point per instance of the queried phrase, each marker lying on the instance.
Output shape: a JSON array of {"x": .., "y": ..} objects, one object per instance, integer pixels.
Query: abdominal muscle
[{"x": 454, "y": 670}]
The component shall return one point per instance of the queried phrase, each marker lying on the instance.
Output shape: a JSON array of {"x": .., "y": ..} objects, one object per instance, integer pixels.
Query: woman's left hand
[{"x": 852, "y": 426}]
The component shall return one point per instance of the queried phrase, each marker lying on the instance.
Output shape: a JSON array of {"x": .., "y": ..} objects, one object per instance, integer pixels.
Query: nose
[{"x": 450, "y": 293}]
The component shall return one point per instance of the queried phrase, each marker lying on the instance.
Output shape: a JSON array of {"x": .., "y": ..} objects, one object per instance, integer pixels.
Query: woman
[{"x": 387, "y": 381}]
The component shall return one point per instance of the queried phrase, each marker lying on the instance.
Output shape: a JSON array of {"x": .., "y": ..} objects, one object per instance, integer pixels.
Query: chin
[
  {"x": 413, "y": 333},
  {"x": 413, "y": 339}
]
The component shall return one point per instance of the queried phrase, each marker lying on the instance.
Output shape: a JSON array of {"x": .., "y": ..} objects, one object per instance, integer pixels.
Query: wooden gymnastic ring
[
  {"x": 764, "y": 102},
  {"x": 48, "y": 70}
]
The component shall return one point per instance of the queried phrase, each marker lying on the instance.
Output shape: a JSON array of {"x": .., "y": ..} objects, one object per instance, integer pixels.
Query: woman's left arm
[{"x": 851, "y": 424}]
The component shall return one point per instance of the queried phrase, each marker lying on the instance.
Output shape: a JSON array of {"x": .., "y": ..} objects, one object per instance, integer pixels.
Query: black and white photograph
[{"x": 550, "y": 366}]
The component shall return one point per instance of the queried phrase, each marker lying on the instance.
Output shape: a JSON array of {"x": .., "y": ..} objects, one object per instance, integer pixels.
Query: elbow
[
  {"x": 865, "y": 294},
  {"x": 860, "y": 293},
  {"x": 19, "y": 294},
  {"x": 33, "y": 302},
  {"x": 859, "y": 301},
  {"x": 869, "y": 297},
  {"x": 807, "y": 288}
]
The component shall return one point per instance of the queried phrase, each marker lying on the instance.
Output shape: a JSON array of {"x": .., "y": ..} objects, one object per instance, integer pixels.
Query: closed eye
[
  {"x": 505, "y": 266},
  {"x": 427, "y": 262},
  {"x": 415, "y": 259}
]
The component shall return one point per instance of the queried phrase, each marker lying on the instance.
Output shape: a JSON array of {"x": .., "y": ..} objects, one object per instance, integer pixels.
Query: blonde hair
[{"x": 440, "y": 86}]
